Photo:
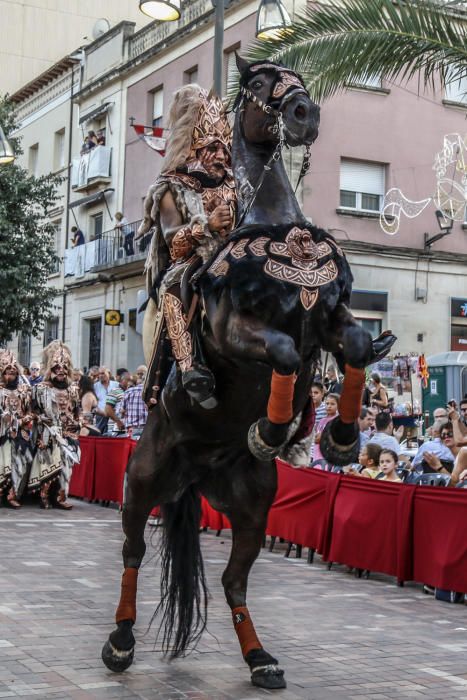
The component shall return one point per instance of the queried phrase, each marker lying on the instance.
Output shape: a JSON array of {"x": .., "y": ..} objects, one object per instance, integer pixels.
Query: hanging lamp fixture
[
  {"x": 163, "y": 10},
  {"x": 272, "y": 19}
]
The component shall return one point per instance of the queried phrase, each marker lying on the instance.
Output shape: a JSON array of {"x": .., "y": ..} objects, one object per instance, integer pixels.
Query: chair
[
  {"x": 434, "y": 480},
  {"x": 462, "y": 484},
  {"x": 403, "y": 473}
]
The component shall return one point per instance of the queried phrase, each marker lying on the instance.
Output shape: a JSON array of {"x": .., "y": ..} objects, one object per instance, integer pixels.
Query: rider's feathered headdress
[
  {"x": 57, "y": 353},
  {"x": 196, "y": 119}
]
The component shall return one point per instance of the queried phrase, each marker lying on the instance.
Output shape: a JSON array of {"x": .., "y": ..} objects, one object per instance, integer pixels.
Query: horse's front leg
[
  {"x": 354, "y": 349},
  {"x": 247, "y": 336}
]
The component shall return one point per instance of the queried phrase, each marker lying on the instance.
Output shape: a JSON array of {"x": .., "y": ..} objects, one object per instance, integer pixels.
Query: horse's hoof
[
  {"x": 269, "y": 677},
  {"x": 115, "y": 660},
  {"x": 259, "y": 448}
]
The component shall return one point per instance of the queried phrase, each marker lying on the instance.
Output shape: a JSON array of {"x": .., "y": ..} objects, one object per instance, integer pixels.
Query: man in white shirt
[
  {"x": 384, "y": 433},
  {"x": 101, "y": 389}
]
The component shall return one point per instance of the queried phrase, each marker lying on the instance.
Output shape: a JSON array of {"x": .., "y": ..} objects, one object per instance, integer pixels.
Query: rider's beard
[
  {"x": 13, "y": 384},
  {"x": 59, "y": 383}
]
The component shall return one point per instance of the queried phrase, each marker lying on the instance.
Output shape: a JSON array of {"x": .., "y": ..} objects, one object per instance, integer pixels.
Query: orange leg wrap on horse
[
  {"x": 245, "y": 630},
  {"x": 350, "y": 403},
  {"x": 280, "y": 408},
  {"x": 127, "y": 606}
]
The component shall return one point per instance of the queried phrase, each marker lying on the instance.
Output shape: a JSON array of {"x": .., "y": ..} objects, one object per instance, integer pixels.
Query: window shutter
[
  {"x": 358, "y": 176},
  {"x": 158, "y": 104}
]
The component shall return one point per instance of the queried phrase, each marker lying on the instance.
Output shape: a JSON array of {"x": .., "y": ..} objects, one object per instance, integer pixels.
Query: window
[
  {"x": 374, "y": 326},
  {"x": 94, "y": 348},
  {"x": 59, "y": 150},
  {"x": 97, "y": 225},
  {"x": 51, "y": 330},
  {"x": 57, "y": 244},
  {"x": 230, "y": 67},
  {"x": 373, "y": 82},
  {"x": 362, "y": 185},
  {"x": 457, "y": 91},
  {"x": 33, "y": 158},
  {"x": 190, "y": 76},
  {"x": 24, "y": 349},
  {"x": 157, "y": 106}
]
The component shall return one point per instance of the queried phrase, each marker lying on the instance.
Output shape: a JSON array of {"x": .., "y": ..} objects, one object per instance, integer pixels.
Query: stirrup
[{"x": 199, "y": 383}]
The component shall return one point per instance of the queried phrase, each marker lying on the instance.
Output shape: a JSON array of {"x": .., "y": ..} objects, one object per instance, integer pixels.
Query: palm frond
[{"x": 338, "y": 43}]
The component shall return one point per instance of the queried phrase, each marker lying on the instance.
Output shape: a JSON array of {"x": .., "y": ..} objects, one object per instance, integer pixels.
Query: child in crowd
[
  {"x": 332, "y": 409},
  {"x": 388, "y": 461},
  {"x": 369, "y": 458}
]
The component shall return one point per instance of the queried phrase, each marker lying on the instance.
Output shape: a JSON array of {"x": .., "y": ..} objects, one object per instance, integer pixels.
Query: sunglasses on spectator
[
  {"x": 34, "y": 369},
  {"x": 445, "y": 435}
]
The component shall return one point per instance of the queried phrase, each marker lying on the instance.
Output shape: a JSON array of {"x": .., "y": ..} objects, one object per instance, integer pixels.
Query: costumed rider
[
  {"x": 191, "y": 208},
  {"x": 16, "y": 443},
  {"x": 57, "y": 407}
]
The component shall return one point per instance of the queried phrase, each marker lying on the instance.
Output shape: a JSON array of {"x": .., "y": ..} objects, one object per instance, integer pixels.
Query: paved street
[{"x": 337, "y": 637}]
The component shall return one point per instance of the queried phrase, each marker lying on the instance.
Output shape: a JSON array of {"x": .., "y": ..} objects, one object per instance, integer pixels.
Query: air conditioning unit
[{"x": 420, "y": 294}]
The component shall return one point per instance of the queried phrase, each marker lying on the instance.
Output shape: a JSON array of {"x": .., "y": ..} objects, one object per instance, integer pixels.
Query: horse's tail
[{"x": 184, "y": 593}]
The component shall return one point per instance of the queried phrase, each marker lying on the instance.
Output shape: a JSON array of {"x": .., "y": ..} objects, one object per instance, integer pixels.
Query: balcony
[
  {"x": 91, "y": 169},
  {"x": 112, "y": 250}
]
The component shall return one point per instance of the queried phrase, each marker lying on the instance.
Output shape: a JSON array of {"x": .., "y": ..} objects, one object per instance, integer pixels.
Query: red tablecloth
[{"x": 411, "y": 532}]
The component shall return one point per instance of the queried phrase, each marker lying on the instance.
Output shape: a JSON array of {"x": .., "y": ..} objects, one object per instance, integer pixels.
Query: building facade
[{"x": 372, "y": 138}]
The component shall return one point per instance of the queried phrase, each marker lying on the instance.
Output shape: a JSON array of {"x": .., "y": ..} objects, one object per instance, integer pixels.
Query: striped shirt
[{"x": 135, "y": 412}]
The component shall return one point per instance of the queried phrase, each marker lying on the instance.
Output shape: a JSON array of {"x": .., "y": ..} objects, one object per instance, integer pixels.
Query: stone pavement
[{"x": 337, "y": 637}]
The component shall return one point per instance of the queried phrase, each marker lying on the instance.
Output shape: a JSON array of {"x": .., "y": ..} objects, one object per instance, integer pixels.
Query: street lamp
[
  {"x": 7, "y": 154},
  {"x": 271, "y": 20},
  {"x": 163, "y": 10},
  {"x": 445, "y": 224}
]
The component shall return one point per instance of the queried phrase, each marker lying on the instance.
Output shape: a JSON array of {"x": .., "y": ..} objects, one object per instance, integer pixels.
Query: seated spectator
[
  {"x": 435, "y": 446},
  {"x": 332, "y": 410},
  {"x": 439, "y": 413},
  {"x": 459, "y": 473},
  {"x": 384, "y": 435},
  {"x": 369, "y": 460},
  {"x": 378, "y": 394},
  {"x": 317, "y": 396},
  {"x": 366, "y": 423},
  {"x": 134, "y": 411},
  {"x": 77, "y": 237},
  {"x": 388, "y": 462}
]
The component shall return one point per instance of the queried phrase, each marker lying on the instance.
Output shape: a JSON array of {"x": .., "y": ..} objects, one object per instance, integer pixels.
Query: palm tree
[{"x": 342, "y": 42}]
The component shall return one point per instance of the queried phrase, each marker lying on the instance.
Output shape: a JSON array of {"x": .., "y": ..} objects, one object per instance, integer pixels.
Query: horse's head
[{"x": 268, "y": 90}]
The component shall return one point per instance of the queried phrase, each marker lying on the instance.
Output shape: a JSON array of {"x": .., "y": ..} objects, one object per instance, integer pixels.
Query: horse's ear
[{"x": 242, "y": 65}]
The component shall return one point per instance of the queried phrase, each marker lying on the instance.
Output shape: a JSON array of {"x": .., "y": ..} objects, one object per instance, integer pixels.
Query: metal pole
[{"x": 218, "y": 47}]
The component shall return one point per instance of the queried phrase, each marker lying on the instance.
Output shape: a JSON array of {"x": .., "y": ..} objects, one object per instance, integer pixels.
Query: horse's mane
[{"x": 182, "y": 118}]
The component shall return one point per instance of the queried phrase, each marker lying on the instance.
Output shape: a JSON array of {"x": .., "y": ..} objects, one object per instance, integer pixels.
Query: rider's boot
[{"x": 197, "y": 380}]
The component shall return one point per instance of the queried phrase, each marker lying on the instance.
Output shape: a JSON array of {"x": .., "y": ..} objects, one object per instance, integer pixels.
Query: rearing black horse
[{"x": 273, "y": 297}]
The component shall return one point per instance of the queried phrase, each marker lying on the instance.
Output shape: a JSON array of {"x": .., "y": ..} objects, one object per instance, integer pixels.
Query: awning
[
  {"x": 95, "y": 113},
  {"x": 91, "y": 199}
]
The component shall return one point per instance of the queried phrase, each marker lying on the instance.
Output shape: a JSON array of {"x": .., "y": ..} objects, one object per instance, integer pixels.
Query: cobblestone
[{"x": 337, "y": 637}]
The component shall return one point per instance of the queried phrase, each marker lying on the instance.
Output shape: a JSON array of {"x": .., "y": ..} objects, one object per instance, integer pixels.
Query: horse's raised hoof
[
  {"x": 115, "y": 660},
  {"x": 340, "y": 455},
  {"x": 259, "y": 448},
  {"x": 269, "y": 677},
  {"x": 265, "y": 673}
]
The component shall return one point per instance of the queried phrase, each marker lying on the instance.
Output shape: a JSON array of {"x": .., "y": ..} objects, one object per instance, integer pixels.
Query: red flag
[{"x": 153, "y": 136}]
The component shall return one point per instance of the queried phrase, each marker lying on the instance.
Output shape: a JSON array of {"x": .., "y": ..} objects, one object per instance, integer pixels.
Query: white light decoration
[{"x": 450, "y": 198}]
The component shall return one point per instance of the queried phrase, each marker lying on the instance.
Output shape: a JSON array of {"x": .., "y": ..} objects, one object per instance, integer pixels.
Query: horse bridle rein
[{"x": 278, "y": 129}]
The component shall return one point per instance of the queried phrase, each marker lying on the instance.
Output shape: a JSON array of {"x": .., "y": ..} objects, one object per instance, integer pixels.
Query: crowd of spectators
[{"x": 384, "y": 454}]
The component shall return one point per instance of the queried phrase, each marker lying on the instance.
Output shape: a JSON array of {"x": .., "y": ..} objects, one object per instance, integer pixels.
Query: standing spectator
[
  {"x": 88, "y": 400},
  {"x": 141, "y": 373},
  {"x": 378, "y": 394},
  {"x": 332, "y": 410},
  {"x": 101, "y": 137},
  {"x": 366, "y": 423},
  {"x": 102, "y": 388},
  {"x": 385, "y": 436},
  {"x": 92, "y": 139},
  {"x": 317, "y": 396},
  {"x": 334, "y": 386},
  {"x": 134, "y": 410},
  {"x": 458, "y": 427},
  {"x": 36, "y": 376},
  {"x": 77, "y": 237},
  {"x": 76, "y": 375},
  {"x": 113, "y": 404},
  {"x": 127, "y": 232},
  {"x": 93, "y": 373}
]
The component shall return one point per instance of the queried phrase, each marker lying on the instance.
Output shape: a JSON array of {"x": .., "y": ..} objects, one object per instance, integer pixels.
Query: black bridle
[{"x": 278, "y": 128}]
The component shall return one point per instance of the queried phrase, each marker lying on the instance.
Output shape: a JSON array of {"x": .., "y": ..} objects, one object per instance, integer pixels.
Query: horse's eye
[{"x": 257, "y": 85}]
